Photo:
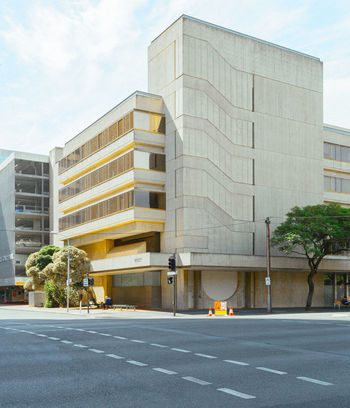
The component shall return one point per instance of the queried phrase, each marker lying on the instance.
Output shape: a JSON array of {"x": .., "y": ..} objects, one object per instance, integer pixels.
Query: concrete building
[
  {"x": 231, "y": 133},
  {"x": 24, "y": 217}
]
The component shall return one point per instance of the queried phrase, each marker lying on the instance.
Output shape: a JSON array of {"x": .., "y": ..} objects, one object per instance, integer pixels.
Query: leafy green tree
[
  {"x": 35, "y": 265},
  {"x": 314, "y": 231}
]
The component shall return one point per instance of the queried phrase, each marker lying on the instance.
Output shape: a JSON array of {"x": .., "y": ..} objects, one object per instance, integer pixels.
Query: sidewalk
[{"x": 295, "y": 313}]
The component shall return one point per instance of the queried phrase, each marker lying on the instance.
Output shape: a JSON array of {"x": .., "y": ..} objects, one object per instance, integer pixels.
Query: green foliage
[
  {"x": 314, "y": 231},
  {"x": 51, "y": 263},
  {"x": 50, "y": 289},
  {"x": 57, "y": 296},
  {"x": 45, "y": 256}
]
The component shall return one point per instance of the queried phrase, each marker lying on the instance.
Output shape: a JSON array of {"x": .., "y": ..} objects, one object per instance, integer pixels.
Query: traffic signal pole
[
  {"x": 88, "y": 290},
  {"x": 268, "y": 269},
  {"x": 174, "y": 296}
]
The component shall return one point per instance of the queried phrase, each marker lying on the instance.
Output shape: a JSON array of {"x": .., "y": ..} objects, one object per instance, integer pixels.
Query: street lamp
[{"x": 68, "y": 269}]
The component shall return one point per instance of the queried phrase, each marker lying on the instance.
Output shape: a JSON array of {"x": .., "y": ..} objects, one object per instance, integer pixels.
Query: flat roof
[
  {"x": 240, "y": 34},
  {"x": 142, "y": 93},
  {"x": 336, "y": 129}
]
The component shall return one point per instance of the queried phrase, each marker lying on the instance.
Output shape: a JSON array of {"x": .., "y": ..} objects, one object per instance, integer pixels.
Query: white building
[{"x": 243, "y": 140}]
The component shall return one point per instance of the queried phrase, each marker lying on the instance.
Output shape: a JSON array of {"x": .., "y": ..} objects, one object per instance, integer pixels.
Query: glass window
[
  {"x": 327, "y": 150},
  {"x": 327, "y": 183}
]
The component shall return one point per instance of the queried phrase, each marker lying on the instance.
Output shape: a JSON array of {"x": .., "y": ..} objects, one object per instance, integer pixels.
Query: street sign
[
  {"x": 220, "y": 308},
  {"x": 85, "y": 282},
  {"x": 267, "y": 281},
  {"x": 172, "y": 273}
]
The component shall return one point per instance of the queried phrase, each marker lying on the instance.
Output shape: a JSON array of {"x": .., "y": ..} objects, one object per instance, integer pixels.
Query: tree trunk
[{"x": 310, "y": 282}]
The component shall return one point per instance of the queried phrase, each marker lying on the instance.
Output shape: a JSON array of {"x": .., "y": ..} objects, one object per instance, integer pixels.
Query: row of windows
[
  {"x": 153, "y": 122},
  {"x": 133, "y": 198},
  {"x": 336, "y": 152},
  {"x": 110, "y": 134},
  {"x": 138, "y": 159},
  {"x": 98, "y": 176},
  {"x": 336, "y": 184}
]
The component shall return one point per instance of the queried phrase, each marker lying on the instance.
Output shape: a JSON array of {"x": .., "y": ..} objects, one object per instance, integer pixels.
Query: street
[{"x": 52, "y": 360}]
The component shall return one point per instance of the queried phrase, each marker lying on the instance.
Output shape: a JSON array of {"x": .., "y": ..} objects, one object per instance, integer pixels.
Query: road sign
[
  {"x": 267, "y": 281},
  {"x": 172, "y": 273},
  {"x": 85, "y": 282},
  {"x": 220, "y": 308}
]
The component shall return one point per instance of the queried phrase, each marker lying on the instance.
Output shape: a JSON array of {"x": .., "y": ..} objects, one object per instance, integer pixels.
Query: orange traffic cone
[
  {"x": 210, "y": 312},
  {"x": 231, "y": 312}
]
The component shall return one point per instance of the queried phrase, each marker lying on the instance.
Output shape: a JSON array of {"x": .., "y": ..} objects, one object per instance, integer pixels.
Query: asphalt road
[{"x": 55, "y": 361}]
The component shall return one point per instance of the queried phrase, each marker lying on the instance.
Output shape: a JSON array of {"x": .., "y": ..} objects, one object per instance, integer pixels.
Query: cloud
[{"x": 67, "y": 62}]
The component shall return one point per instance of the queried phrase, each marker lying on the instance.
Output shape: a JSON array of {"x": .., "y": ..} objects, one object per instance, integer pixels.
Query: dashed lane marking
[
  {"x": 236, "y": 393},
  {"x": 196, "y": 380},
  {"x": 237, "y": 362},
  {"x": 204, "y": 355},
  {"x": 138, "y": 341},
  {"x": 80, "y": 330},
  {"x": 158, "y": 345},
  {"x": 41, "y": 335},
  {"x": 163, "y": 370},
  {"x": 54, "y": 338},
  {"x": 79, "y": 345},
  {"x": 120, "y": 337},
  {"x": 66, "y": 342},
  {"x": 313, "y": 380},
  {"x": 181, "y": 350},
  {"x": 105, "y": 334},
  {"x": 137, "y": 363},
  {"x": 270, "y": 370},
  {"x": 96, "y": 350},
  {"x": 115, "y": 356},
  {"x": 91, "y": 331}
]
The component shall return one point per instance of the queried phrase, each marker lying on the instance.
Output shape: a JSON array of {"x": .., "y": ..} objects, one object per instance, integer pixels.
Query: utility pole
[
  {"x": 268, "y": 271},
  {"x": 68, "y": 277}
]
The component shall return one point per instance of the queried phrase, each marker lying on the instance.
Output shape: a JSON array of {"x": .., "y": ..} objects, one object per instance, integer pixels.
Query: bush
[
  {"x": 56, "y": 296},
  {"x": 50, "y": 289}
]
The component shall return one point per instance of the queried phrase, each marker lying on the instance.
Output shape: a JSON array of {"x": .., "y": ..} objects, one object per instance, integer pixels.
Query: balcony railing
[{"x": 31, "y": 209}]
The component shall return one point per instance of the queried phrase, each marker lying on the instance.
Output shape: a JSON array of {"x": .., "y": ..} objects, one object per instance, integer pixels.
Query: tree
[
  {"x": 52, "y": 263},
  {"x": 314, "y": 231}
]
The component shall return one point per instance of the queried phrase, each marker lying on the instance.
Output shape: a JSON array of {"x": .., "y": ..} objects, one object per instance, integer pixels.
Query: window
[
  {"x": 107, "y": 136},
  {"x": 336, "y": 152},
  {"x": 337, "y": 184}
]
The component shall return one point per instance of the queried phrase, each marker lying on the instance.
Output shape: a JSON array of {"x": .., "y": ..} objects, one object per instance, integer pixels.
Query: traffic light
[
  {"x": 170, "y": 280},
  {"x": 91, "y": 281},
  {"x": 172, "y": 263}
]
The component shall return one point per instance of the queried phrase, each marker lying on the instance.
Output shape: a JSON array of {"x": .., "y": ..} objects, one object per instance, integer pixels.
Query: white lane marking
[
  {"x": 270, "y": 370},
  {"x": 114, "y": 356},
  {"x": 158, "y": 345},
  {"x": 96, "y": 351},
  {"x": 79, "y": 329},
  {"x": 120, "y": 337},
  {"x": 104, "y": 334},
  {"x": 60, "y": 327},
  {"x": 204, "y": 355},
  {"x": 66, "y": 342},
  {"x": 181, "y": 350},
  {"x": 312, "y": 380},
  {"x": 236, "y": 393},
  {"x": 137, "y": 363},
  {"x": 163, "y": 370},
  {"x": 79, "y": 345},
  {"x": 237, "y": 362},
  {"x": 54, "y": 338},
  {"x": 196, "y": 380},
  {"x": 138, "y": 341},
  {"x": 41, "y": 335},
  {"x": 30, "y": 332},
  {"x": 69, "y": 328},
  {"x": 91, "y": 331}
]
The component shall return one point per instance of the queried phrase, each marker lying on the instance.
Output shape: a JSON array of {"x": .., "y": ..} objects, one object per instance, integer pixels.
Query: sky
[{"x": 64, "y": 63}]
